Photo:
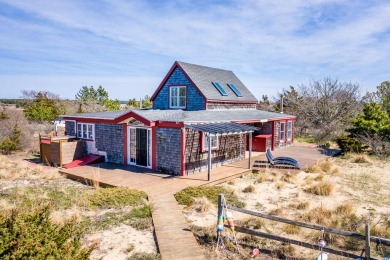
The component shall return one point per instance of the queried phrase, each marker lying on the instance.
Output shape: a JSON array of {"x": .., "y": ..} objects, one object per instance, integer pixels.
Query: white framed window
[
  {"x": 289, "y": 130},
  {"x": 282, "y": 131},
  {"x": 177, "y": 96},
  {"x": 214, "y": 142},
  {"x": 86, "y": 131}
]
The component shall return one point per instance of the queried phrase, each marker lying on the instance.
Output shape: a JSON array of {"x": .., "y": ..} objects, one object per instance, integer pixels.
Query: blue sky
[{"x": 129, "y": 46}]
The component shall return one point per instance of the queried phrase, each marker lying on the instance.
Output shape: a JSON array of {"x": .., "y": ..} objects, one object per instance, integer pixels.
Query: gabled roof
[{"x": 202, "y": 77}]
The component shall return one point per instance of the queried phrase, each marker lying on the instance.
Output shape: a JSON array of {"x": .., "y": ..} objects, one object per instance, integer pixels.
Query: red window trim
[{"x": 205, "y": 149}]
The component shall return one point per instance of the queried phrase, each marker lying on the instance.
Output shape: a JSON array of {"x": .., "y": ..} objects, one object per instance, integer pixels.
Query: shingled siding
[
  {"x": 168, "y": 145},
  {"x": 109, "y": 139},
  {"x": 227, "y": 105},
  {"x": 70, "y": 127},
  {"x": 194, "y": 99},
  {"x": 231, "y": 148}
]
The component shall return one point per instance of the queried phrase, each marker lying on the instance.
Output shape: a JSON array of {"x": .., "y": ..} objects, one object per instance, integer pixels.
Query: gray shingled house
[{"x": 200, "y": 115}]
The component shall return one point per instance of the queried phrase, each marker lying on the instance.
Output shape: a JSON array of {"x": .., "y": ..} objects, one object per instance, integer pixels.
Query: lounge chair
[{"x": 274, "y": 161}]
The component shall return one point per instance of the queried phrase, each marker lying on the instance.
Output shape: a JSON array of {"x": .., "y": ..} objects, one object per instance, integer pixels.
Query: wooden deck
[{"x": 174, "y": 238}]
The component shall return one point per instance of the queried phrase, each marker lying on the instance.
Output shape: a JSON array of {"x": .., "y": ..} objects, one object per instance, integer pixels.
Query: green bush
[
  {"x": 29, "y": 234},
  {"x": 349, "y": 144},
  {"x": 184, "y": 197}
]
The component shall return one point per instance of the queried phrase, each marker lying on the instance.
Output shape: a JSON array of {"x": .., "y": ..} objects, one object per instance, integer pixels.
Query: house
[{"x": 200, "y": 116}]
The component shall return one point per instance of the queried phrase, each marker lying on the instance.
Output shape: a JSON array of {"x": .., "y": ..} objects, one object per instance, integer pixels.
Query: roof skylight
[
  {"x": 220, "y": 89},
  {"x": 235, "y": 90}
]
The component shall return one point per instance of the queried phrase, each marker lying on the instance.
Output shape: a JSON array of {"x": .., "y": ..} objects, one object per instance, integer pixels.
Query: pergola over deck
[{"x": 225, "y": 128}]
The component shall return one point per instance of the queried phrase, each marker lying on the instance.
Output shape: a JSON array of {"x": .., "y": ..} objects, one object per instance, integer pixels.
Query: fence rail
[
  {"x": 367, "y": 238},
  {"x": 379, "y": 240}
]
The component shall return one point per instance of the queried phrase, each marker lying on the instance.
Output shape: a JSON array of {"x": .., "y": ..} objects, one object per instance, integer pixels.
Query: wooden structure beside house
[
  {"x": 201, "y": 116},
  {"x": 59, "y": 150}
]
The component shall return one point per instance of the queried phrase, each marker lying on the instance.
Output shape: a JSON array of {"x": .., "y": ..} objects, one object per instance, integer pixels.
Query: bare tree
[{"x": 323, "y": 108}]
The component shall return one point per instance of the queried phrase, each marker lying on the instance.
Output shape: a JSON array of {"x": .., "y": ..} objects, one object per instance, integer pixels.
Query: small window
[
  {"x": 85, "y": 131},
  {"x": 178, "y": 97},
  {"x": 214, "y": 142},
  {"x": 235, "y": 90},
  {"x": 289, "y": 131},
  {"x": 220, "y": 89},
  {"x": 282, "y": 131}
]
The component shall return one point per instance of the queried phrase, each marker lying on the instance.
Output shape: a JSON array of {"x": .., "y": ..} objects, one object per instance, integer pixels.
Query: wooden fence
[{"x": 367, "y": 238}]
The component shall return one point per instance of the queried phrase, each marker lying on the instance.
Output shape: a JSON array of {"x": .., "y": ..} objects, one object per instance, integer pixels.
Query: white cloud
[{"x": 272, "y": 44}]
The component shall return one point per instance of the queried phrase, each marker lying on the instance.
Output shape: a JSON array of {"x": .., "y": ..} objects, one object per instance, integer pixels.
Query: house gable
[
  {"x": 177, "y": 77},
  {"x": 207, "y": 88}
]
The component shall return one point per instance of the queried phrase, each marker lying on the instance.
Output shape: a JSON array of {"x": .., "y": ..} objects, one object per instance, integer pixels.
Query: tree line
[
  {"x": 329, "y": 109},
  {"x": 326, "y": 110}
]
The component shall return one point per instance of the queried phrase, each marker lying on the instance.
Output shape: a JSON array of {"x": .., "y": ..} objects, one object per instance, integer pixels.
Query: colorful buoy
[
  {"x": 255, "y": 252},
  {"x": 321, "y": 243}
]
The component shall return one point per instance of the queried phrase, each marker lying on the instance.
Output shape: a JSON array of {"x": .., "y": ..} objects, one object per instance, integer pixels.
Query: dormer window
[{"x": 177, "y": 96}]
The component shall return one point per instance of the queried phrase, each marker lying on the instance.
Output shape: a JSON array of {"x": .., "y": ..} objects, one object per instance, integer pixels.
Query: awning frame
[{"x": 223, "y": 129}]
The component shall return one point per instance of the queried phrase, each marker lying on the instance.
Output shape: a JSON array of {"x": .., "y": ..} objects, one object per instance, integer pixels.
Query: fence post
[
  {"x": 220, "y": 206},
  {"x": 367, "y": 249}
]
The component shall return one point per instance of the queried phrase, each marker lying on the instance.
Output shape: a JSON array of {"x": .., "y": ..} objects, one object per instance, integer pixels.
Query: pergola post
[
  {"x": 209, "y": 157},
  {"x": 250, "y": 151}
]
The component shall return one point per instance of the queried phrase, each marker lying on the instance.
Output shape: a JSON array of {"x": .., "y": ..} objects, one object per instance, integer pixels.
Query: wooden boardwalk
[{"x": 174, "y": 238}]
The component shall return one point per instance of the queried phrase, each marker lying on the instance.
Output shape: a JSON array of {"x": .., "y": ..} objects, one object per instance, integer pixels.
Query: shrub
[
  {"x": 322, "y": 189},
  {"x": 349, "y": 144},
  {"x": 29, "y": 234},
  {"x": 185, "y": 197}
]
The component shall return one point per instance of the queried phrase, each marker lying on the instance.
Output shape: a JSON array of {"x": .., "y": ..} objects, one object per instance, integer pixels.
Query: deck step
[{"x": 85, "y": 160}]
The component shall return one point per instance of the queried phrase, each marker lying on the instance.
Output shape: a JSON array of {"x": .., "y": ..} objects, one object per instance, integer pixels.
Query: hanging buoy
[
  {"x": 255, "y": 252},
  {"x": 220, "y": 223},
  {"x": 323, "y": 256},
  {"x": 321, "y": 243},
  {"x": 229, "y": 217}
]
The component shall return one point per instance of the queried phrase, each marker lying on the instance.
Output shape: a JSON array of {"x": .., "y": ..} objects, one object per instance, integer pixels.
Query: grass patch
[
  {"x": 280, "y": 185},
  {"x": 144, "y": 256},
  {"x": 249, "y": 189},
  {"x": 116, "y": 197},
  {"x": 310, "y": 140},
  {"x": 139, "y": 218},
  {"x": 321, "y": 189},
  {"x": 201, "y": 204},
  {"x": 299, "y": 205},
  {"x": 185, "y": 197},
  {"x": 313, "y": 169},
  {"x": 291, "y": 229},
  {"x": 262, "y": 177},
  {"x": 252, "y": 223},
  {"x": 59, "y": 197},
  {"x": 360, "y": 159}
]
